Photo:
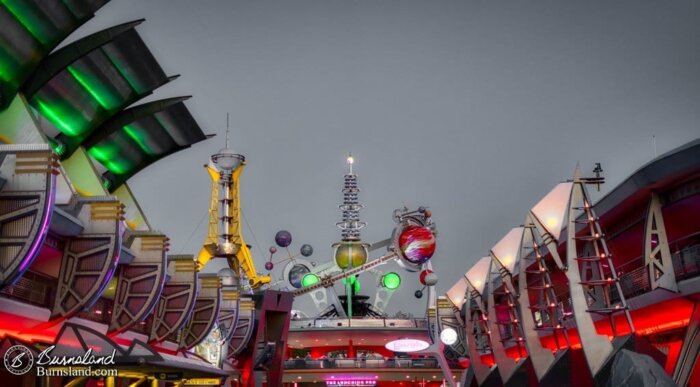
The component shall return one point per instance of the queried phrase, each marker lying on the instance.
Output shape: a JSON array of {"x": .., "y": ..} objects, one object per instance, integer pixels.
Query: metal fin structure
[
  {"x": 479, "y": 334},
  {"x": 507, "y": 334},
  {"x": 592, "y": 277},
  {"x": 244, "y": 329},
  {"x": 89, "y": 259},
  {"x": 27, "y": 196},
  {"x": 177, "y": 298},
  {"x": 140, "y": 282},
  {"x": 537, "y": 297},
  {"x": 690, "y": 351},
  {"x": 204, "y": 314},
  {"x": 657, "y": 254}
]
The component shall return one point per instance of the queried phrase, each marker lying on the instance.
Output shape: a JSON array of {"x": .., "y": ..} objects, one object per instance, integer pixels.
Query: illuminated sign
[
  {"x": 203, "y": 382},
  {"x": 351, "y": 382},
  {"x": 407, "y": 345}
]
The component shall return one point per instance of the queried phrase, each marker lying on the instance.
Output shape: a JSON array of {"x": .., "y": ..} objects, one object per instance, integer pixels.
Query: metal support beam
[{"x": 657, "y": 254}]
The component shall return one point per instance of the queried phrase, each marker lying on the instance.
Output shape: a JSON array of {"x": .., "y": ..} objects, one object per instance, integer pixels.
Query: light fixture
[
  {"x": 310, "y": 279},
  {"x": 391, "y": 281},
  {"x": 448, "y": 336},
  {"x": 407, "y": 345}
]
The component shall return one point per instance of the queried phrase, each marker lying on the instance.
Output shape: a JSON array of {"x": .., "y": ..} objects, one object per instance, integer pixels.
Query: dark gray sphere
[{"x": 306, "y": 250}]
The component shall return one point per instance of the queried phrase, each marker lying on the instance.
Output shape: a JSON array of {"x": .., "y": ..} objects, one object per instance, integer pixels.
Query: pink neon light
[{"x": 43, "y": 231}]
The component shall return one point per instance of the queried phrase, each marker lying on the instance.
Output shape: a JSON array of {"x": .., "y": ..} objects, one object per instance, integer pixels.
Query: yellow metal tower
[{"x": 225, "y": 171}]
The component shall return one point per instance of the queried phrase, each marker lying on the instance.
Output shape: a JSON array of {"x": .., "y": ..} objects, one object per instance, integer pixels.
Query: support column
[{"x": 657, "y": 254}]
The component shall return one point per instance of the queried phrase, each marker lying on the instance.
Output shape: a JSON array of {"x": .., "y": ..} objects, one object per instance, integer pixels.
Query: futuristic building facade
[
  {"x": 559, "y": 298},
  {"x": 80, "y": 265},
  {"x": 572, "y": 295}
]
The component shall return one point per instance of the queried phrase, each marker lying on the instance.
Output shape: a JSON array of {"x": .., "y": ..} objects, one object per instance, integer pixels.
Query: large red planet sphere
[{"x": 417, "y": 244}]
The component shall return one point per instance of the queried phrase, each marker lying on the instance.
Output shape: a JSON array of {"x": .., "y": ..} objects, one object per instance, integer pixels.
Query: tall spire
[
  {"x": 227, "y": 130},
  {"x": 350, "y": 161},
  {"x": 350, "y": 209}
]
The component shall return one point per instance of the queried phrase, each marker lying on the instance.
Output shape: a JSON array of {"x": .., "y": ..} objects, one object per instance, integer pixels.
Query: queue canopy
[
  {"x": 140, "y": 136},
  {"x": 89, "y": 81},
  {"x": 31, "y": 29}
]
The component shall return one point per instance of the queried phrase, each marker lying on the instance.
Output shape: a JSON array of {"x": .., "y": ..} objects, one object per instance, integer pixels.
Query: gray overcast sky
[{"x": 474, "y": 108}]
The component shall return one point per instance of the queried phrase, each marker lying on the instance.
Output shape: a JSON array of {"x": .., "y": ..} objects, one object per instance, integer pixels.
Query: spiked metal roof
[
  {"x": 140, "y": 136},
  {"x": 82, "y": 85},
  {"x": 30, "y": 30}
]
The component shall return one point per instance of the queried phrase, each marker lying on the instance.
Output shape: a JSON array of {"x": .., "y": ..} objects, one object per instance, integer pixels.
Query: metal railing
[
  {"x": 359, "y": 323},
  {"x": 353, "y": 363}
]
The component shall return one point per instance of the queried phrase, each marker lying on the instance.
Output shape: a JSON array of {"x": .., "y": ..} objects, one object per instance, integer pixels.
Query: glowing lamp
[
  {"x": 448, "y": 336},
  {"x": 391, "y": 281},
  {"x": 310, "y": 279}
]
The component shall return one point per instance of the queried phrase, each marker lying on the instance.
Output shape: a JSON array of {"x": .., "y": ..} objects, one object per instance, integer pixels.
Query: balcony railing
[
  {"x": 34, "y": 289},
  {"x": 353, "y": 363},
  {"x": 359, "y": 323}
]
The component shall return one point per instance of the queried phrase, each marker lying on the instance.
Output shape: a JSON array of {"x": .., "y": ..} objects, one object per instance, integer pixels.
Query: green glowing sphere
[
  {"x": 310, "y": 279},
  {"x": 391, "y": 281}
]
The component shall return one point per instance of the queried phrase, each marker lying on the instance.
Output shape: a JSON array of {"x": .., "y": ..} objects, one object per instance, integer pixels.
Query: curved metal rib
[
  {"x": 177, "y": 298},
  {"x": 140, "y": 282},
  {"x": 89, "y": 259},
  {"x": 27, "y": 194},
  {"x": 205, "y": 313},
  {"x": 228, "y": 313},
  {"x": 244, "y": 329}
]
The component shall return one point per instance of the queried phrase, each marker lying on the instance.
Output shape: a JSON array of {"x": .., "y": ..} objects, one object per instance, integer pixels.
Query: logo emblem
[{"x": 18, "y": 360}]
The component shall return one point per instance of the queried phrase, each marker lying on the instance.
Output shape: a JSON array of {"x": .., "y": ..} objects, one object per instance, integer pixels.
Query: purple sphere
[
  {"x": 283, "y": 238},
  {"x": 273, "y": 249},
  {"x": 269, "y": 265}
]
